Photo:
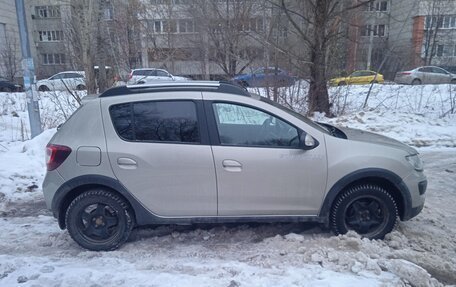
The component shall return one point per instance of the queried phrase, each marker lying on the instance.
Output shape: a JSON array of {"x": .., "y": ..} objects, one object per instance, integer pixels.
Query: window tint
[
  {"x": 56, "y": 77},
  {"x": 355, "y": 74},
  {"x": 244, "y": 126},
  {"x": 123, "y": 120},
  {"x": 438, "y": 70},
  {"x": 174, "y": 121},
  {"x": 145, "y": 73},
  {"x": 426, "y": 69},
  {"x": 73, "y": 75},
  {"x": 162, "y": 73}
]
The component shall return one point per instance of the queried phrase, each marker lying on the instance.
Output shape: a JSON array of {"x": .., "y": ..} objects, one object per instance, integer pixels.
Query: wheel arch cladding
[
  {"x": 388, "y": 180},
  {"x": 76, "y": 186}
]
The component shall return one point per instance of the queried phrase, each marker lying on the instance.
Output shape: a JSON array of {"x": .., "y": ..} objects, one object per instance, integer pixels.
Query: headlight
[{"x": 415, "y": 161}]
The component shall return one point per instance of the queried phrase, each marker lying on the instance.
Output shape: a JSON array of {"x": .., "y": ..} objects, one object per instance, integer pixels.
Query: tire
[
  {"x": 453, "y": 82},
  {"x": 99, "y": 220},
  {"x": 80, "y": 87},
  {"x": 342, "y": 84},
  {"x": 6, "y": 90},
  {"x": 43, "y": 88},
  {"x": 367, "y": 209},
  {"x": 416, "y": 82},
  {"x": 374, "y": 82},
  {"x": 244, "y": 84}
]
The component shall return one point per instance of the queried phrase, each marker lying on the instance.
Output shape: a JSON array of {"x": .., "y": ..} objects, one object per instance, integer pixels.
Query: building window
[
  {"x": 186, "y": 26},
  {"x": 377, "y": 6},
  {"x": 50, "y": 36},
  {"x": 440, "y": 22},
  {"x": 376, "y": 30},
  {"x": 47, "y": 11},
  {"x": 439, "y": 50},
  {"x": 53, "y": 59}
]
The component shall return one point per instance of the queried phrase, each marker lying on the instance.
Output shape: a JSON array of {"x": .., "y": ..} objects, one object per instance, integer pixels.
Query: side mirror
[{"x": 307, "y": 142}]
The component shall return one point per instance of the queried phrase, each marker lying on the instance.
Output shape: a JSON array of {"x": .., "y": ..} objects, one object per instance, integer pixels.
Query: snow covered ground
[{"x": 419, "y": 252}]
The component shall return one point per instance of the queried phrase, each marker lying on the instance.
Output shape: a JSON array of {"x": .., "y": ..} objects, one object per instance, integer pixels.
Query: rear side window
[
  {"x": 146, "y": 73},
  {"x": 157, "y": 121}
]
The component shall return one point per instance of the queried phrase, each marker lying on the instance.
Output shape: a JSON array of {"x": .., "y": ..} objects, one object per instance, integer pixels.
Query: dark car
[
  {"x": 265, "y": 77},
  {"x": 8, "y": 86}
]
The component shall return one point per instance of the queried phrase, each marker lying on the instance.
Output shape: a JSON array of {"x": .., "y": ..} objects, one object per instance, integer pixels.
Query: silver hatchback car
[{"x": 210, "y": 152}]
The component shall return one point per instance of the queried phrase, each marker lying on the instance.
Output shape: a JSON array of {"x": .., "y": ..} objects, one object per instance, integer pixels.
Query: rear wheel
[
  {"x": 453, "y": 82},
  {"x": 43, "y": 88},
  {"x": 416, "y": 82},
  {"x": 369, "y": 210},
  {"x": 342, "y": 83},
  {"x": 99, "y": 220},
  {"x": 80, "y": 87}
]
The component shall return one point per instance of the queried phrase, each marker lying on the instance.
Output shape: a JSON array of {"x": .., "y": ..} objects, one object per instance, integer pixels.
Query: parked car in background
[
  {"x": 425, "y": 75},
  {"x": 8, "y": 86},
  {"x": 147, "y": 75},
  {"x": 72, "y": 80},
  {"x": 265, "y": 77},
  {"x": 361, "y": 77}
]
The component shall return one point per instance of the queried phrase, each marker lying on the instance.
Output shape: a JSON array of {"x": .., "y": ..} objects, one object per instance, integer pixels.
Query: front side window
[
  {"x": 244, "y": 126},
  {"x": 157, "y": 121}
]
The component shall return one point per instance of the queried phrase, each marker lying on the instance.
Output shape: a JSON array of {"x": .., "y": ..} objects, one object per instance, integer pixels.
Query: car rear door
[
  {"x": 159, "y": 150},
  {"x": 261, "y": 171}
]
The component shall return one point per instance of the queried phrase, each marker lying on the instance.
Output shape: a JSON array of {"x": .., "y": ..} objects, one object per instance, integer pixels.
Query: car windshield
[{"x": 295, "y": 114}]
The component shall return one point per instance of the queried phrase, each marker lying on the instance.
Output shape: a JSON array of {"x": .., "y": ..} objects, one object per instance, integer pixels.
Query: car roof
[
  {"x": 147, "y": 69},
  {"x": 167, "y": 86}
]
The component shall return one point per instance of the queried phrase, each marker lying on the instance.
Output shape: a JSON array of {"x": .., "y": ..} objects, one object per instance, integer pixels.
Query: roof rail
[{"x": 174, "y": 86}]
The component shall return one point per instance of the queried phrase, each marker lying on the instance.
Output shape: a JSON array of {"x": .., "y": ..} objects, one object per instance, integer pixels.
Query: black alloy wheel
[
  {"x": 99, "y": 220},
  {"x": 369, "y": 210}
]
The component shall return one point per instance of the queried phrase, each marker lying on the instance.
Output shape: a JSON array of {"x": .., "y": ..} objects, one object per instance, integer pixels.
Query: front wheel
[
  {"x": 416, "y": 82},
  {"x": 368, "y": 209},
  {"x": 99, "y": 220}
]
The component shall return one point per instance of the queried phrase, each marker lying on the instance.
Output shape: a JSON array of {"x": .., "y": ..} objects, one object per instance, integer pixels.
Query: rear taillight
[
  {"x": 56, "y": 155},
  {"x": 131, "y": 75},
  {"x": 405, "y": 73}
]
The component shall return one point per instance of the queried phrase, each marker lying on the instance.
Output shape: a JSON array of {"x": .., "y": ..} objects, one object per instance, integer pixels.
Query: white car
[
  {"x": 69, "y": 80},
  {"x": 148, "y": 75}
]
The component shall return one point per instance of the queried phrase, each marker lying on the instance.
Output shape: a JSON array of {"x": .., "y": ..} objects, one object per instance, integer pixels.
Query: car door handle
[
  {"x": 232, "y": 165},
  {"x": 127, "y": 163}
]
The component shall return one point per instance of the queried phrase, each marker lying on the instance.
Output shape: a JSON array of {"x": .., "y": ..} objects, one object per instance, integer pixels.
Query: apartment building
[
  {"x": 9, "y": 41},
  {"x": 393, "y": 35},
  {"x": 207, "y": 40}
]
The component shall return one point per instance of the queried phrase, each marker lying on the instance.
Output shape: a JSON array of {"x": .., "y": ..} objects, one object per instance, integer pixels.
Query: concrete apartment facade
[
  {"x": 389, "y": 34},
  {"x": 9, "y": 35},
  {"x": 403, "y": 34},
  {"x": 176, "y": 39}
]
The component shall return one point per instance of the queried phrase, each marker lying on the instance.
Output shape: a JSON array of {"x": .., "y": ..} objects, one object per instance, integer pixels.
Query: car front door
[
  {"x": 441, "y": 76},
  {"x": 163, "y": 76},
  {"x": 56, "y": 82},
  {"x": 261, "y": 170},
  {"x": 159, "y": 150}
]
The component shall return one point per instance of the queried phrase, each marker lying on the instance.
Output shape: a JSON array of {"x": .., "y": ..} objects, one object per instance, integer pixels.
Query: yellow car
[{"x": 358, "y": 77}]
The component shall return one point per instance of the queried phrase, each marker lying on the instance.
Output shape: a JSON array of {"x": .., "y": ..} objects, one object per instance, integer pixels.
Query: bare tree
[
  {"x": 9, "y": 60},
  {"x": 316, "y": 23},
  {"x": 224, "y": 27},
  {"x": 433, "y": 28}
]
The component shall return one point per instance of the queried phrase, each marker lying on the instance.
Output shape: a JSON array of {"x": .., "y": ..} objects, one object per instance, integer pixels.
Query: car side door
[
  {"x": 163, "y": 75},
  {"x": 442, "y": 76},
  {"x": 56, "y": 82},
  {"x": 261, "y": 168},
  {"x": 159, "y": 150}
]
